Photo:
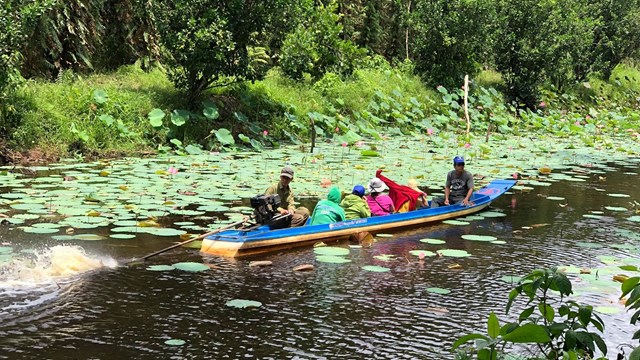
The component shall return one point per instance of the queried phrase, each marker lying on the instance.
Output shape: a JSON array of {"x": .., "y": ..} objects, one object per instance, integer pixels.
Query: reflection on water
[{"x": 335, "y": 311}]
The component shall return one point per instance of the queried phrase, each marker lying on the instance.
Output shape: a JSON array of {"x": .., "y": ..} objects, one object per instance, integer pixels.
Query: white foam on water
[{"x": 51, "y": 265}]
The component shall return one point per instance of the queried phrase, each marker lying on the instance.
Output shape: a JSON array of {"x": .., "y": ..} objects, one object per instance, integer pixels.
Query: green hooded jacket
[
  {"x": 328, "y": 211},
  {"x": 355, "y": 207}
]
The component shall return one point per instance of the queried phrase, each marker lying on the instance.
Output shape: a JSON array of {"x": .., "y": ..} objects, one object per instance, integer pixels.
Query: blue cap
[
  {"x": 358, "y": 190},
  {"x": 458, "y": 160}
]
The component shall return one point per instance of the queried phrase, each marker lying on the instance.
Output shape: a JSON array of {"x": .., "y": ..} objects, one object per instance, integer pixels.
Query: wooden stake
[{"x": 466, "y": 103}]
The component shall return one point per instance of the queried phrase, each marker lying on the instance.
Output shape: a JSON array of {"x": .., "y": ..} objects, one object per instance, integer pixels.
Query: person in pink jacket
[{"x": 379, "y": 203}]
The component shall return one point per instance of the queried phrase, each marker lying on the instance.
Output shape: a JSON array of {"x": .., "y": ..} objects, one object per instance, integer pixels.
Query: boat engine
[{"x": 265, "y": 207}]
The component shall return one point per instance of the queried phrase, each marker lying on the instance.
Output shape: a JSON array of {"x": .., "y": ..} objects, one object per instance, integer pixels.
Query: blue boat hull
[{"x": 236, "y": 243}]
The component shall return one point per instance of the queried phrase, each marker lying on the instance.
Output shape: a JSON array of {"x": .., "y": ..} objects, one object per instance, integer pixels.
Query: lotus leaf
[
  {"x": 239, "y": 303},
  {"x": 191, "y": 266},
  {"x": 374, "y": 268},
  {"x": 423, "y": 252},
  {"x": 160, "y": 268},
  {"x": 511, "y": 279},
  {"x": 455, "y": 222},
  {"x": 555, "y": 198},
  {"x": 385, "y": 257},
  {"x": 591, "y": 216},
  {"x": 453, "y": 253},
  {"x": 433, "y": 241},
  {"x": 437, "y": 290},
  {"x": 616, "y": 208},
  {"x": 6, "y": 249},
  {"x": 33, "y": 230},
  {"x": 634, "y": 218},
  {"x": 331, "y": 250},
  {"x": 492, "y": 214},
  {"x": 619, "y": 195},
  {"x": 607, "y": 309},
  {"x": 175, "y": 342},
  {"x": 479, "y": 237},
  {"x": 122, "y": 236},
  {"x": 332, "y": 259}
]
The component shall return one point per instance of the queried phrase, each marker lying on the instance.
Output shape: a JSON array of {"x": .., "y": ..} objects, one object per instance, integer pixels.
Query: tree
[
  {"x": 316, "y": 47},
  {"x": 448, "y": 38},
  {"x": 207, "y": 41}
]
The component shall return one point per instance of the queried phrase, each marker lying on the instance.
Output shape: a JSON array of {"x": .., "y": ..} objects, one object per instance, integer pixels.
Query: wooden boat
[{"x": 243, "y": 242}]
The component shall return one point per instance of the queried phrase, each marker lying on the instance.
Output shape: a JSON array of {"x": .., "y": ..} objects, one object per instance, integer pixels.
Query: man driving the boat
[
  {"x": 458, "y": 187},
  {"x": 299, "y": 215}
]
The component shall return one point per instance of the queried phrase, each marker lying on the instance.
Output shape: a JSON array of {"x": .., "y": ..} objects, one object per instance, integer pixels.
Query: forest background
[{"x": 123, "y": 77}]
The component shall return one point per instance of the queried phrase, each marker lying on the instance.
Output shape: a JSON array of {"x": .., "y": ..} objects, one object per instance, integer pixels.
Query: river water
[{"x": 336, "y": 311}]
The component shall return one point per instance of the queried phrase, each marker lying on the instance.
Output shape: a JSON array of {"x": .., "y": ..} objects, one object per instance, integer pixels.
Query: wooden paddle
[{"x": 190, "y": 240}]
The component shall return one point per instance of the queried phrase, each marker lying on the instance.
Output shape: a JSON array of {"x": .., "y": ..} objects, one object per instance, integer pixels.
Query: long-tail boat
[{"x": 262, "y": 238}]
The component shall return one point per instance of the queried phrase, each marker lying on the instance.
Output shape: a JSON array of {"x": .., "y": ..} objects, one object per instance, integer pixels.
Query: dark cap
[
  {"x": 287, "y": 171},
  {"x": 458, "y": 160}
]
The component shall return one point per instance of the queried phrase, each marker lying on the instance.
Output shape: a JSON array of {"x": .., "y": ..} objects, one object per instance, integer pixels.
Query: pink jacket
[{"x": 381, "y": 205}]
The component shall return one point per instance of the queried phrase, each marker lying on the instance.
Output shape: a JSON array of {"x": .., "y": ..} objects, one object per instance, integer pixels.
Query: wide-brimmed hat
[
  {"x": 287, "y": 171},
  {"x": 376, "y": 185}
]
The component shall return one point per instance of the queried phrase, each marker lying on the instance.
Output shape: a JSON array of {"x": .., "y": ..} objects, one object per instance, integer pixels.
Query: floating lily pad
[
  {"x": 375, "y": 268},
  {"x": 479, "y": 237},
  {"x": 424, "y": 252},
  {"x": 6, "y": 249},
  {"x": 616, "y": 208},
  {"x": 384, "y": 235},
  {"x": 385, "y": 257},
  {"x": 589, "y": 245},
  {"x": 191, "y": 266},
  {"x": 454, "y": 253},
  {"x": 607, "y": 310},
  {"x": 493, "y": 214},
  {"x": 332, "y": 259},
  {"x": 175, "y": 342},
  {"x": 591, "y": 216},
  {"x": 239, "y": 303},
  {"x": 437, "y": 290},
  {"x": 89, "y": 237},
  {"x": 455, "y": 222},
  {"x": 33, "y": 230},
  {"x": 433, "y": 241},
  {"x": 160, "y": 268},
  {"x": 499, "y": 242},
  {"x": 122, "y": 236},
  {"x": 634, "y": 218},
  {"x": 555, "y": 198},
  {"x": 355, "y": 246},
  {"x": 331, "y": 250},
  {"x": 619, "y": 195}
]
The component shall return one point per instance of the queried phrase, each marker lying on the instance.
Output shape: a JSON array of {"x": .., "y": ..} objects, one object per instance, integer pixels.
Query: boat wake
[{"x": 51, "y": 265}]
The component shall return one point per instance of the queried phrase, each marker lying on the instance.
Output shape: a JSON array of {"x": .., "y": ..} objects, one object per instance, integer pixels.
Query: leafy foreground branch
[{"x": 556, "y": 328}]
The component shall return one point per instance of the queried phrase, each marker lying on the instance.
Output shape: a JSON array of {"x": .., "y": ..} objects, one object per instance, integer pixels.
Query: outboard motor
[{"x": 265, "y": 207}]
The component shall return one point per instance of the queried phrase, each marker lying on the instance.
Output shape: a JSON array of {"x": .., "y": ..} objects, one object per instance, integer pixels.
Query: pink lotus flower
[
  {"x": 515, "y": 176},
  {"x": 172, "y": 170},
  {"x": 344, "y": 144},
  {"x": 313, "y": 161},
  {"x": 429, "y": 131},
  {"x": 265, "y": 133},
  {"x": 542, "y": 104},
  {"x": 577, "y": 123},
  {"x": 360, "y": 143},
  {"x": 337, "y": 129},
  {"x": 588, "y": 117},
  {"x": 467, "y": 145}
]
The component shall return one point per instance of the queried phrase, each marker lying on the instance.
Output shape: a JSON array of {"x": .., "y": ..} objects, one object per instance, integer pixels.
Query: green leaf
[
  {"x": 192, "y": 149},
  {"x": 179, "y": 117},
  {"x": 155, "y": 117},
  {"x": 210, "y": 110},
  {"x": 224, "y": 136},
  {"x": 244, "y": 138},
  {"x": 526, "y": 313},
  {"x": 240, "y": 303},
  {"x": 635, "y": 354},
  {"x": 547, "y": 312},
  {"x": 467, "y": 338},
  {"x": 100, "y": 96},
  {"x": 628, "y": 267},
  {"x": 528, "y": 333},
  {"x": 107, "y": 119},
  {"x": 629, "y": 285},
  {"x": 493, "y": 326},
  {"x": 369, "y": 153},
  {"x": 584, "y": 314}
]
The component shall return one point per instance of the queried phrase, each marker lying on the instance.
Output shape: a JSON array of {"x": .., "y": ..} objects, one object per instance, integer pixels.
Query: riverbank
[{"x": 107, "y": 115}]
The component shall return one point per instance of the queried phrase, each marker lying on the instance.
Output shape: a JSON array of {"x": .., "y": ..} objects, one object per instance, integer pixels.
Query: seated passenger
[
  {"x": 354, "y": 205},
  {"x": 458, "y": 186},
  {"x": 379, "y": 203},
  {"x": 329, "y": 210},
  {"x": 404, "y": 198},
  {"x": 421, "y": 202}
]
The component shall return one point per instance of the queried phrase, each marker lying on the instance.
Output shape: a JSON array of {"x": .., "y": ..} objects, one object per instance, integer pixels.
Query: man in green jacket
[
  {"x": 354, "y": 205},
  {"x": 300, "y": 215},
  {"x": 328, "y": 211}
]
